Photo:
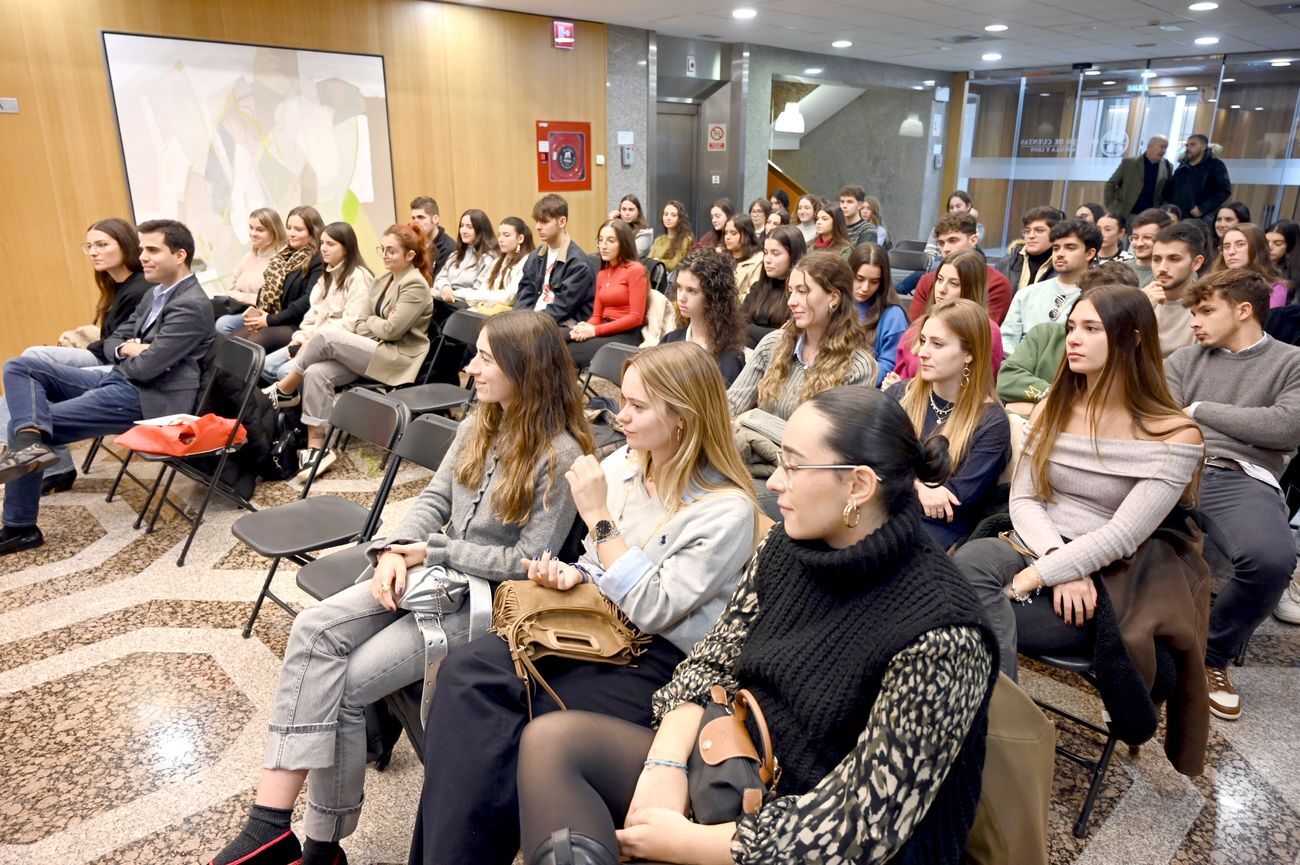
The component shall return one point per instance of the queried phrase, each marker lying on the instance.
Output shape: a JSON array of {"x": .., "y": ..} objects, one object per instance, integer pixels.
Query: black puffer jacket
[{"x": 244, "y": 465}]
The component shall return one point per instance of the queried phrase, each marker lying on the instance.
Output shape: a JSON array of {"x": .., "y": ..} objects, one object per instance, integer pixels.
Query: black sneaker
[
  {"x": 15, "y": 539},
  {"x": 19, "y": 463}
]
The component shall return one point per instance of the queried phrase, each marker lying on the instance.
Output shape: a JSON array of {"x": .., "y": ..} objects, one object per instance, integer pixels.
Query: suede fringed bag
[{"x": 581, "y": 624}]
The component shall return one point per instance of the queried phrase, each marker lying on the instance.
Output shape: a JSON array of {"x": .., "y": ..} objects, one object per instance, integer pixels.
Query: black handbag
[{"x": 726, "y": 775}]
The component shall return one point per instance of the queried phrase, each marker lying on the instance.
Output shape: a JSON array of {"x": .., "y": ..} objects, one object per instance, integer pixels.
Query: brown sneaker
[{"x": 1224, "y": 701}]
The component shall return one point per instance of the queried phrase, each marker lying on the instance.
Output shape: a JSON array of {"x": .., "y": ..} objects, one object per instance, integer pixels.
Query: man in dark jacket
[
  {"x": 1139, "y": 181},
  {"x": 1036, "y": 251},
  {"x": 424, "y": 210},
  {"x": 1200, "y": 185},
  {"x": 557, "y": 277}
]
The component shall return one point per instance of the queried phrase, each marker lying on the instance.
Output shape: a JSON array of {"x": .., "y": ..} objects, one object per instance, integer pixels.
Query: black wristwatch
[{"x": 604, "y": 530}]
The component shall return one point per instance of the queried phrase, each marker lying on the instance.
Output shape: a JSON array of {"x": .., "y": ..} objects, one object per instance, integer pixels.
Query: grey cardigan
[{"x": 462, "y": 530}]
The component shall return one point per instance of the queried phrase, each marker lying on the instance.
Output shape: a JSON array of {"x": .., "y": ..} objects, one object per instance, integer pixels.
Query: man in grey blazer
[{"x": 156, "y": 357}]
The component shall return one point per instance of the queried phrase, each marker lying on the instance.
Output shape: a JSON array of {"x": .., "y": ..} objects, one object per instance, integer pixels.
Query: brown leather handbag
[
  {"x": 726, "y": 776},
  {"x": 581, "y": 624}
]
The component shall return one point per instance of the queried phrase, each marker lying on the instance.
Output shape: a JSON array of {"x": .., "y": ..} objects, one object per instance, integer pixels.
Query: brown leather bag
[{"x": 581, "y": 624}]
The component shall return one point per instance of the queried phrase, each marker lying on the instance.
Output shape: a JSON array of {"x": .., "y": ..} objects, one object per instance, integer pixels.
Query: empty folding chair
[
  {"x": 910, "y": 246},
  {"x": 296, "y": 530}
]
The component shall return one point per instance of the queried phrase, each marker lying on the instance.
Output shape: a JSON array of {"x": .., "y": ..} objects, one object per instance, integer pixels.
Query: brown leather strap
[{"x": 768, "y": 769}]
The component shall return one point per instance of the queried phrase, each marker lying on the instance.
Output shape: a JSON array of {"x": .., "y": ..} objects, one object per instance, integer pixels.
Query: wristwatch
[{"x": 605, "y": 530}]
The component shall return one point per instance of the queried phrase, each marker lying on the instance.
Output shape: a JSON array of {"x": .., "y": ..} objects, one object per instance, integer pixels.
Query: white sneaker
[
  {"x": 279, "y": 399},
  {"x": 326, "y": 462},
  {"x": 1288, "y": 606}
]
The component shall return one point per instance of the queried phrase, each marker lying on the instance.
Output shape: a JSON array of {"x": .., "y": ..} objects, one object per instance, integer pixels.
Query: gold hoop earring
[
  {"x": 852, "y": 516},
  {"x": 965, "y": 376}
]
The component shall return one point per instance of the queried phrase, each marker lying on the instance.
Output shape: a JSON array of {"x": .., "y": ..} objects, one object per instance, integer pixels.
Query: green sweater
[{"x": 1027, "y": 371}]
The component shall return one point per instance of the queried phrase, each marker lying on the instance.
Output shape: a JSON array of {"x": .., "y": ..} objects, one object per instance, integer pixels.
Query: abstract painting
[{"x": 211, "y": 131}]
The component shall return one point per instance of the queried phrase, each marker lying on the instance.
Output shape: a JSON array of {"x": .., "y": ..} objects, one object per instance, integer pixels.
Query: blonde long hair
[
  {"x": 529, "y": 349},
  {"x": 686, "y": 378},
  {"x": 843, "y": 335},
  {"x": 969, "y": 323}
]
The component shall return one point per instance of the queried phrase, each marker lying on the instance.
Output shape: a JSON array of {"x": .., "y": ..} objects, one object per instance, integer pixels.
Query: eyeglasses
[
  {"x": 1035, "y": 231},
  {"x": 387, "y": 251},
  {"x": 97, "y": 246},
  {"x": 790, "y": 469}
]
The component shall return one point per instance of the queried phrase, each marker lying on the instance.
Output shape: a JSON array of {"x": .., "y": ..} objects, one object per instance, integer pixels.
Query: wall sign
[
  {"x": 563, "y": 156},
  {"x": 717, "y": 138},
  {"x": 563, "y": 35}
]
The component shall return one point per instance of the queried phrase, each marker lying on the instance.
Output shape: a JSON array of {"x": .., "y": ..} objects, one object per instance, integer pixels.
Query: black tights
[{"x": 578, "y": 770}]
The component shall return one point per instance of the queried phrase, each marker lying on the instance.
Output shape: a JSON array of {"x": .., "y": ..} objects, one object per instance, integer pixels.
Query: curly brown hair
[{"x": 721, "y": 309}]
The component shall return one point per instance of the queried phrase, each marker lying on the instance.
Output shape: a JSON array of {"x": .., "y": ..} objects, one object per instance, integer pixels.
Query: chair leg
[
  {"x": 148, "y": 499},
  {"x": 95, "y": 445},
  {"x": 196, "y": 522},
  {"x": 162, "y": 499},
  {"x": 261, "y": 596},
  {"x": 121, "y": 472},
  {"x": 1098, "y": 775}
]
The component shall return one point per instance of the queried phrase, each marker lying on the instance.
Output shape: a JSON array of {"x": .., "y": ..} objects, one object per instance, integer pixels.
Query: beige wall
[{"x": 465, "y": 87}]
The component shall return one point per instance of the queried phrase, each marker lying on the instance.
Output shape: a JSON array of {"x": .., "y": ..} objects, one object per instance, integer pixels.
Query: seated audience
[
  {"x": 266, "y": 235},
  {"x": 765, "y": 307},
  {"x": 832, "y": 235},
  {"x": 156, "y": 356},
  {"x": 958, "y": 202},
  {"x": 805, "y": 214},
  {"x": 1227, "y": 217},
  {"x": 958, "y": 232},
  {"x": 952, "y": 396},
  {"x": 495, "y": 290},
  {"x": 870, "y": 211},
  {"x": 856, "y": 229},
  {"x": 1027, "y": 373},
  {"x": 388, "y": 346},
  {"x": 1108, "y": 454},
  {"x": 1113, "y": 244},
  {"x": 961, "y": 275},
  {"x": 499, "y": 495},
  {"x": 341, "y": 299},
  {"x": 476, "y": 252},
  {"x": 299, "y": 247},
  {"x": 671, "y": 246},
  {"x": 1243, "y": 388},
  {"x": 1244, "y": 247},
  {"x": 557, "y": 278},
  {"x": 1031, "y": 261},
  {"x": 719, "y": 212},
  {"x": 1142, "y": 230},
  {"x": 778, "y": 217},
  {"x": 1074, "y": 246},
  {"x": 779, "y": 199},
  {"x": 1176, "y": 257},
  {"x": 282, "y": 303},
  {"x": 620, "y": 304},
  {"x": 424, "y": 212},
  {"x": 673, "y": 523},
  {"x": 843, "y": 628},
  {"x": 629, "y": 210},
  {"x": 1283, "y": 239},
  {"x": 1089, "y": 212},
  {"x": 880, "y": 311},
  {"x": 745, "y": 250},
  {"x": 759, "y": 210},
  {"x": 707, "y": 307}
]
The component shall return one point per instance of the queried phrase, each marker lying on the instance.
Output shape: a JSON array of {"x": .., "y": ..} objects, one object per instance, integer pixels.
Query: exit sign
[{"x": 562, "y": 35}]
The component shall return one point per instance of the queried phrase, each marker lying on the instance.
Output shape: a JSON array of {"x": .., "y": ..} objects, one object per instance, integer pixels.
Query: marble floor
[{"x": 132, "y": 711}]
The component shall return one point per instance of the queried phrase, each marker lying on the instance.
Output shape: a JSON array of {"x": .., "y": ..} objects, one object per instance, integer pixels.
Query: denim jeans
[
  {"x": 79, "y": 358},
  {"x": 67, "y": 405},
  {"x": 343, "y": 654},
  {"x": 274, "y": 368},
  {"x": 228, "y": 324}
]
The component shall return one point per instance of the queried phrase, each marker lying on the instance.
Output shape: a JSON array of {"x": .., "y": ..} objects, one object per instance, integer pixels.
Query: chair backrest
[
  {"x": 462, "y": 326},
  {"x": 656, "y": 274},
  {"x": 608, "y": 361},
  {"x": 238, "y": 358},
  {"x": 370, "y": 416},
  {"x": 910, "y": 246},
  {"x": 427, "y": 440},
  {"x": 905, "y": 259}
]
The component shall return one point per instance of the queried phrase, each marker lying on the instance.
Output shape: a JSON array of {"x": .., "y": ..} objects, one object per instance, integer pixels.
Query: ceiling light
[
  {"x": 1203, "y": 7},
  {"x": 1092, "y": 72},
  {"x": 744, "y": 13},
  {"x": 1206, "y": 40},
  {"x": 1107, "y": 83},
  {"x": 1259, "y": 108},
  {"x": 1234, "y": 106},
  {"x": 1211, "y": 100},
  {"x": 991, "y": 56},
  {"x": 911, "y": 127},
  {"x": 1147, "y": 73},
  {"x": 815, "y": 70},
  {"x": 1191, "y": 88},
  {"x": 929, "y": 82},
  {"x": 1279, "y": 63},
  {"x": 1229, "y": 80},
  {"x": 790, "y": 120},
  {"x": 841, "y": 43},
  {"x": 917, "y": 87},
  {"x": 996, "y": 28}
]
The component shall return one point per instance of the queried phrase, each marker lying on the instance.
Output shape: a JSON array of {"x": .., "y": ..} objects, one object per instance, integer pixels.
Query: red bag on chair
[{"x": 183, "y": 438}]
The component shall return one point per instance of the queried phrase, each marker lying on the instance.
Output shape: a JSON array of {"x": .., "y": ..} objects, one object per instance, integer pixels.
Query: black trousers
[
  {"x": 582, "y": 352},
  {"x": 469, "y": 807}
]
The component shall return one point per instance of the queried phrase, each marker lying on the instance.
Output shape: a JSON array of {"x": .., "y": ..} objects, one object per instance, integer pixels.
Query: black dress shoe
[
  {"x": 14, "y": 539},
  {"x": 25, "y": 460},
  {"x": 59, "y": 483}
]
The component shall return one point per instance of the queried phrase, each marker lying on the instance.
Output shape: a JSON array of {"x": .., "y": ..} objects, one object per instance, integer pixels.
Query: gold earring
[
  {"x": 965, "y": 376},
  {"x": 852, "y": 516}
]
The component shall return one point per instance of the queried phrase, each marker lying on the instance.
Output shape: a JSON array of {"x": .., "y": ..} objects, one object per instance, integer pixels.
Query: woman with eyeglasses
[
  {"x": 1245, "y": 247},
  {"x": 863, "y": 645},
  {"x": 388, "y": 345},
  {"x": 759, "y": 210}
]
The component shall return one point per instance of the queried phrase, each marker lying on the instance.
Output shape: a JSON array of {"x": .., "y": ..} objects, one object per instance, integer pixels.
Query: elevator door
[{"x": 674, "y": 166}]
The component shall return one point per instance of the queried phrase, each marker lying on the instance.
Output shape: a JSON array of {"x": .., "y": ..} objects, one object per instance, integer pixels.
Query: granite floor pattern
[{"x": 132, "y": 712}]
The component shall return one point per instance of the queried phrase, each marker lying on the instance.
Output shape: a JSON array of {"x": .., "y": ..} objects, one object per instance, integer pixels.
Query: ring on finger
[{"x": 383, "y": 590}]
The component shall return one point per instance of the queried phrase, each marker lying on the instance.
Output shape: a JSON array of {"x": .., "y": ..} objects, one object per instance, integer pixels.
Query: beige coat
[
  {"x": 402, "y": 310},
  {"x": 747, "y": 273}
]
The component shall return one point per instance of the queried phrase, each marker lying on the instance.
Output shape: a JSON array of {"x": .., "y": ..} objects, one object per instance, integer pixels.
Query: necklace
[{"x": 940, "y": 414}]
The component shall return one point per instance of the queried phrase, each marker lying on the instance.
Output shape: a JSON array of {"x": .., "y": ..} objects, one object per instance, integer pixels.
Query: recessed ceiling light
[
  {"x": 1229, "y": 80},
  {"x": 744, "y": 13},
  {"x": 841, "y": 43},
  {"x": 1203, "y": 7},
  {"x": 1211, "y": 100},
  {"x": 1234, "y": 106},
  {"x": 1259, "y": 108},
  {"x": 1147, "y": 73},
  {"x": 991, "y": 56},
  {"x": 1191, "y": 88},
  {"x": 1107, "y": 83},
  {"x": 996, "y": 28},
  {"x": 1279, "y": 63},
  {"x": 929, "y": 82},
  {"x": 917, "y": 87},
  {"x": 815, "y": 70},
  {"x": 1206, "y": 40},
  {"x": 641, "y": 63},
  {"x": 1044, "y": 94},
  {"x": 1092, "y": 72}
]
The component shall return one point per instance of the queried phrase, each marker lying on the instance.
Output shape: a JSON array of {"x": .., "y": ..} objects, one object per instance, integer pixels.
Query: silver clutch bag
[{"x": 434, "y": 591}]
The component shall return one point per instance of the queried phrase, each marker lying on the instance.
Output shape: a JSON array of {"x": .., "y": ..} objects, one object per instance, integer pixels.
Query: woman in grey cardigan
[
  {"x": 673, "y": 522},
  {"x": 499, "y": 495}
]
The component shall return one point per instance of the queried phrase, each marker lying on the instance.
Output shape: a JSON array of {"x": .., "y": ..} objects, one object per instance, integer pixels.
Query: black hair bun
[{"x": 931, "y": 463}]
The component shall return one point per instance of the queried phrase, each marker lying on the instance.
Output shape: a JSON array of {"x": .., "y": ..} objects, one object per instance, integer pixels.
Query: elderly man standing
[{"x": 1139, "y": 181}]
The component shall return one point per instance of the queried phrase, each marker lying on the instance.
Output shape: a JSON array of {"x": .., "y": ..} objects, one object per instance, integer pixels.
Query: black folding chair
[
  {"x": 295, "y": 530},
  {"x": 425, "y": 442},
  {"x": 243, "y": 361},
  {"x": 461, "y": 328},
  {"x": 607, "y": 363},
  {"x": 910, "y": 246},
  {"x": 906, "y": 259}
]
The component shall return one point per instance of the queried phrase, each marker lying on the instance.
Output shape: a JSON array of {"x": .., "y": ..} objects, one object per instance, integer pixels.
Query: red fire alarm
[{"x": 562, "y": 35}]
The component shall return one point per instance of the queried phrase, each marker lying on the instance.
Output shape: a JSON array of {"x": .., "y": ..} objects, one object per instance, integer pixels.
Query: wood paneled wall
[{"x": 465, "y": 87}]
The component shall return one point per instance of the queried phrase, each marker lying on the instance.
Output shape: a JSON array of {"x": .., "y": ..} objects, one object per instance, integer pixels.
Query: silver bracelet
[
  {"x": 1026, "y": 598},
  {"x": 668, "y": 764}
]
